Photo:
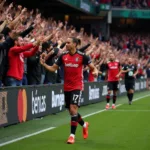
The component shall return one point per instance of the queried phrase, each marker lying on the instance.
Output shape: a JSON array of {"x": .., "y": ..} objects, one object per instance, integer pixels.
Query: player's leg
[
  {"x": 115, "y": 90},
  {"x": 131, "y": 92},
  {"x": 71, "y": 138},
  {"x": 75, "y": 116},
  {"x": 76, "y": 100},
  {"x": 84, "y": 125},
  {"x": 127, "y": 89},
  {"x": 74, "y": 120},
  {"x": 114, "y": 99},
  {"x": 128, "y": 95},
  {"x": 109, "y": 88}
]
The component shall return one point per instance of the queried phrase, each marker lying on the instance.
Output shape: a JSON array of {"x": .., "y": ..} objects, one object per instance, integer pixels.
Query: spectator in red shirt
[{"x": 16, "y": 57}]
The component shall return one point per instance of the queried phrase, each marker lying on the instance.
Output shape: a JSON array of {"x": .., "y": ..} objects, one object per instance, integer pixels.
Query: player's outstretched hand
[
  {"x": 128, "y": 70},
  {"x": 95, "y": 73},
  {"x": 134, "y": 75}
]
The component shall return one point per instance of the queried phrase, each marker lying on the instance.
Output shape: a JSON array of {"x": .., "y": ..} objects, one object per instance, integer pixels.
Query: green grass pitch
[{"x": 126, "y": 128}]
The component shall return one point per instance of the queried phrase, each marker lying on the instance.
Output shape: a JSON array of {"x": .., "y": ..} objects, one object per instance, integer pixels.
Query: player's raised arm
[
  {"x": 93, "y": 69},
  {"x": 124, "y": 69},
  {"x": 50, "y": 68},
  {"x": 87, "y": 61}
]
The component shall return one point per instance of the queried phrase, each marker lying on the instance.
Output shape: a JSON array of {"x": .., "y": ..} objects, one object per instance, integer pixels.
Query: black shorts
[
  {"x": 129, "y": 84},
  {"x": 73, "y": 97},
  {"x": 113, "y": 85}
]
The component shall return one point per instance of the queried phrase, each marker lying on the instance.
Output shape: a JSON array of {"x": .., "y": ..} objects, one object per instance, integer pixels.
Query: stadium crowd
[
  {"x": 137, "y": 4},
  {"x": 25, "y": 35},
  {"x": 100, "y": 1}
]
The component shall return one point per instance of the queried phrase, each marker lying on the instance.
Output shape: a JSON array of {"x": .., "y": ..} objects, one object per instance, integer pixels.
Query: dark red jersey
[
  {"x": 113, "y": 68},
  {"x": 73, "y": 69}
]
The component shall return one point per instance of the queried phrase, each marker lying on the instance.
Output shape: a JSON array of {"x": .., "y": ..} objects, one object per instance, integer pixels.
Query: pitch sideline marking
[
  {"x": 26, "y": 136},
  {"x": 130, "y": 110},
  {"x": 116, "y": 106},
  {"x": 51, "y": 128}
]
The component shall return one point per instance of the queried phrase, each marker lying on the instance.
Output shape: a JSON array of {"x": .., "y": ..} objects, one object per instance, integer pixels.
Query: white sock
[
  {"x": 72, "y": 135},
  {"x": 113, "y": 104},
  {"x": 84, "y": 126},
  {"x": 107, "y": 103}
]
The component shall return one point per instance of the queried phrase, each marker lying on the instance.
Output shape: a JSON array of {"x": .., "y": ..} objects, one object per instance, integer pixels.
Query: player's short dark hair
[{"x": 77, "y": 41}]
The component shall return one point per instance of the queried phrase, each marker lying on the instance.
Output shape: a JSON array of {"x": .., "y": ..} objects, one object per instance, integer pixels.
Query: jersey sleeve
[
  {"x": 59, "y": 60},
  {"x": 86, "y": 60},
  {"x": 56, "y": 50}
]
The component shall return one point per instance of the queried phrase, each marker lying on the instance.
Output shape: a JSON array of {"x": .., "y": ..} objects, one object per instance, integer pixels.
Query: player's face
[
  {"x": 130, "y": 60},
  {"x": 69, "y": 44},
  {"x": 112, "y": 57}
]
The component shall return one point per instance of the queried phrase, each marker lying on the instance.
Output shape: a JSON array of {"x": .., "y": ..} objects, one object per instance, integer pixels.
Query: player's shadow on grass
[{"x": 98, "y": 144}]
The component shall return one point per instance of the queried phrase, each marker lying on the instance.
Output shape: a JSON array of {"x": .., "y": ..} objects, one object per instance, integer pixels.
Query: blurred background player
[
  {"x": 130, "y": 71},
  {"x": 148, "y": 76},
  {"x": 113, "y": 68}
]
